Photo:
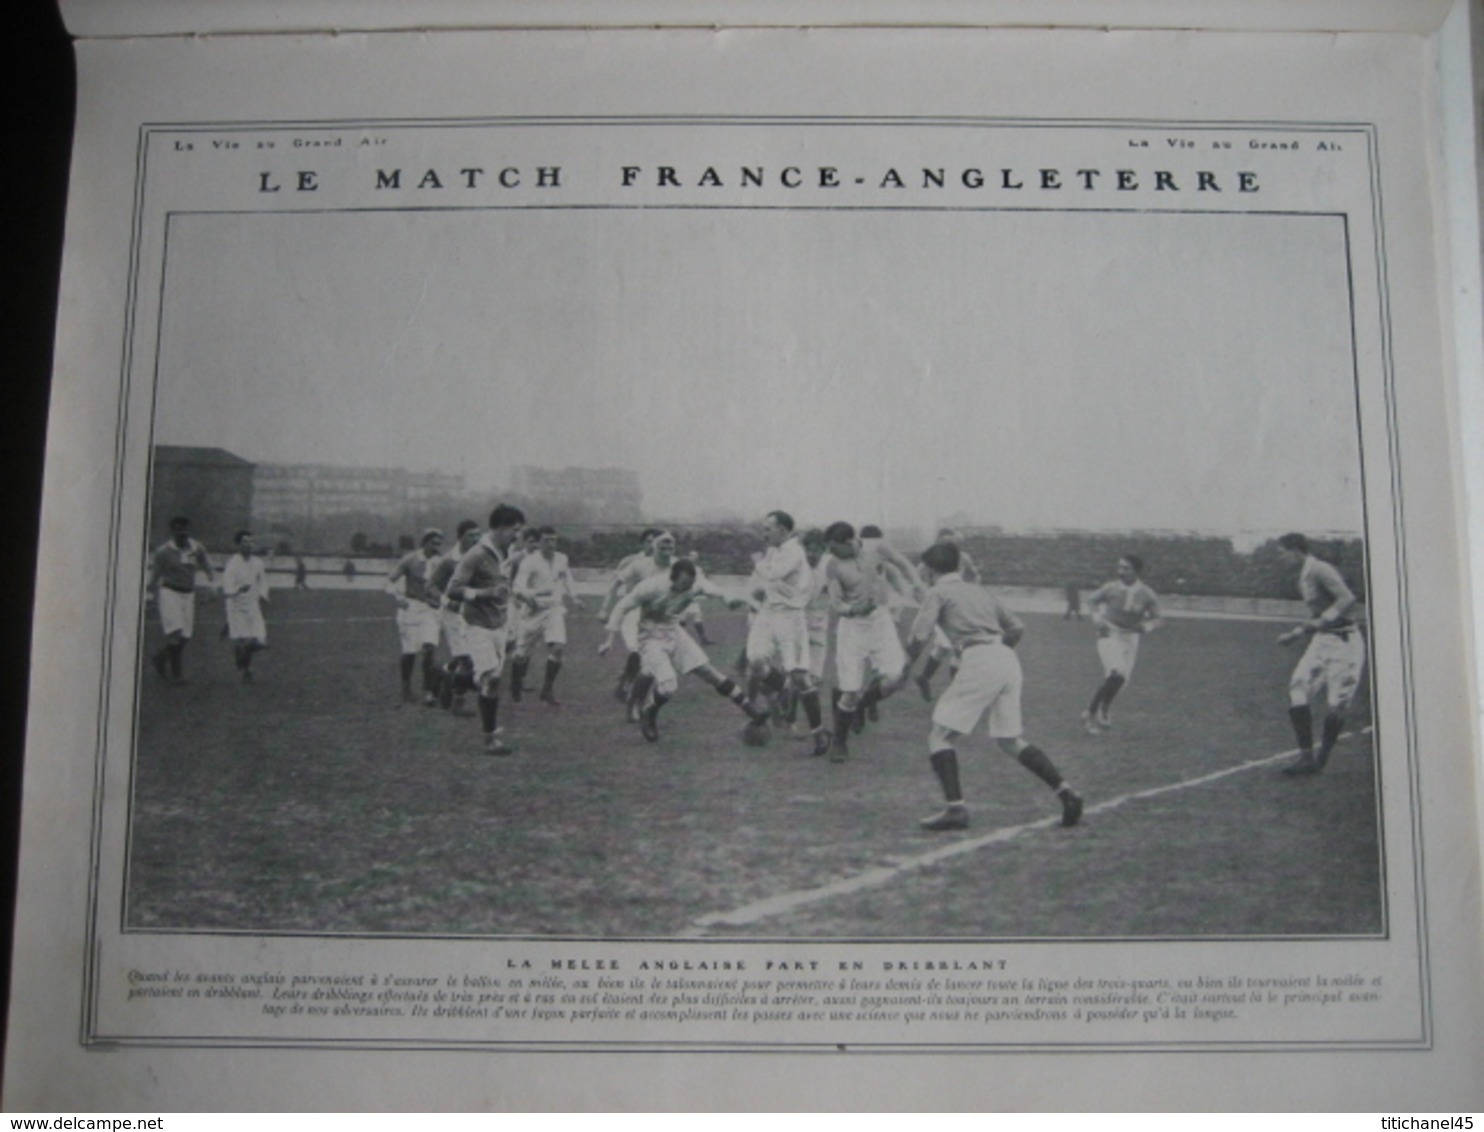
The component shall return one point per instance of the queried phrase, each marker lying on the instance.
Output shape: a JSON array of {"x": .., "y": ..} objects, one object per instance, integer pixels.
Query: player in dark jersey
[
  {"x": 983, "y": 634},
  {"x": 172, "y": 583}
]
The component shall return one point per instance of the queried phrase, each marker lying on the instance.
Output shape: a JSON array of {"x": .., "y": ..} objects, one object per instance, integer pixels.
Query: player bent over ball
[
  {"x": 984, "y": 634},
  {"x": 666, "y": 651}
]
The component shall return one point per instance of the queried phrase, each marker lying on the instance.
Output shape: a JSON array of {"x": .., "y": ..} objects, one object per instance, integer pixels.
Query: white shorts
[
  {"x": 628, "y": 629},
  {"x": 667, "y": 652},
  {"x": 1118, "y": 651},
  {"x": 417, "y": 626},
  {"x": 1332, "y": 662},
  {"x": 177, "y": 612},
  {"x": 549, "y": 625},
  {"x": 486, "y": 648},
  {"x": 779, "y": 637},
  {"x": 988, "y": 679},
  {"x": 453, "y": 631},
  {"x": 819, "y": 641},
  {"x": 245, "y": 620},
  {"x": 867, "y": 647}
]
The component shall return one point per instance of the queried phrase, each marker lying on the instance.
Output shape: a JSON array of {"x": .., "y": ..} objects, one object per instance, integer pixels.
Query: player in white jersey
[
  {"x": 693, "y": 619},
  {"x": 1333, "y": 659},
  {"x": 782, "y": 582},
  {"x": 457, "y": 677},
  {"x": 629, "y": 573},
  {"x": 867, "y": 649},
  {"x": 983, "y": 634},
  {"x": 1122, "y": 611},
  {"x": 657, "y": 560},
  {"x": 817, "y": 619},
  {"x": 172, "y": 583},
  {"x": 543, "y": 587},
  {"x": 245, "y": 587},
  {"x": 942, "y": 651},
  {"x": 417, "y": 618},
  {"x": 528, "y": 543},
  {"x": 668, "y": 652}
]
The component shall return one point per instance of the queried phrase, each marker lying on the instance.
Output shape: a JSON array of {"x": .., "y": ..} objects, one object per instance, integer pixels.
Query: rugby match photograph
[{"x": 857, "y": 575}]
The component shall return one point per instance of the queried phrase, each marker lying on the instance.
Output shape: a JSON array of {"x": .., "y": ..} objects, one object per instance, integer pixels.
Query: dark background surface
[{"x": 43, "y": 101}]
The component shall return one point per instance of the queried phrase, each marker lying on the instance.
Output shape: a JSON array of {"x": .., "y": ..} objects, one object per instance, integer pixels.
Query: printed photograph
[{"x": 755, "y": 573}]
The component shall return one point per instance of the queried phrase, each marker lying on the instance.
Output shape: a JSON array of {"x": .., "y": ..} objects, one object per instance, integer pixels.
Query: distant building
[
  {"x": 210, "y": 486},
  {"x": 612, "y": 493},
  {"x": 292, "y": 493}
]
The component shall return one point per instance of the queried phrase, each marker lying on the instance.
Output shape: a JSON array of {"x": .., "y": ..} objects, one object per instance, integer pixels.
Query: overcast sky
[{"x": 1103, "y": 371}]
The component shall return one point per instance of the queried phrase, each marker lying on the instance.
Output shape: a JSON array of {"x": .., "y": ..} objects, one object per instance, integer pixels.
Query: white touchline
[{"x": 788, "y": 901}]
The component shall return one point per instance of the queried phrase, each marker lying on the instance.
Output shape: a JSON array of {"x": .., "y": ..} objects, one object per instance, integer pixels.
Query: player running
[
  {"x": 983, "y": 633},
  {"x": 817, "y": 618},
  {"x": 867, "y": 649},
  {"x": 1123, "y": 610},
  {"x": 942, "y": 652},
  {"x": 417, "y": 617},
  {"x": 172, "y": 582},
  {"x": 457, "y": 677},
  {"x": 629, "y": 573},
  {"x": 1333, "y": 660},
  {"x": 782, "y": 582},
  {"x": 481, "y": 582},
  {"x": 245, "y": 587},
  {"x": 543, "y": 587},
  {"x": 666, "y": 651}
]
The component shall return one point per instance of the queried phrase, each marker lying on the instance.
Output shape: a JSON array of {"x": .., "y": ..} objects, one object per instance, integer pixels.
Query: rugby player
[
  {"x": 1333, "y": 659},
  {"x": 245, "y": 587},
  {"x": 543, "y": 586},
  {"x": 867, "y": 650},
  {"x": 172, "y": 583},
  {"x": 481, "y": 583},
  {"x": 778, "y": 637},
  {"x": 628, "y": 574},
  {"x": 667, "y": 652},
  {"x": 457, "y": 677},
  {"x": 983, "y": 633},
  {"x": 1123, "y": 610},
  {"x": 942, "y": 652},
  {"x": 417, "y": 617}
]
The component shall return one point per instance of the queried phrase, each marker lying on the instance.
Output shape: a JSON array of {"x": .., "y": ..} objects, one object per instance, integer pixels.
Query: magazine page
[{"x": 582, "y": 567}]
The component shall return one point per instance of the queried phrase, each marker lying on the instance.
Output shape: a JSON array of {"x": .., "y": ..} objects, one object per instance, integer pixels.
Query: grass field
[{"x": 314, "y": 801}]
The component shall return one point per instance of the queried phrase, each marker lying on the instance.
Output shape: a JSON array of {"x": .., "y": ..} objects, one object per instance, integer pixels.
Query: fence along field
[{"x": 313, "y": 801}]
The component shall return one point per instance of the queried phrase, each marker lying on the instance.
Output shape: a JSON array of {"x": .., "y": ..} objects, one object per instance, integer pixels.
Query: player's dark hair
[
  {"x": 239, "y": 536},
  {"x": 947, "y": 532},
  {"x": 179, "y": 522},
  {"x": 1294, "y": 541},
  {"x": 466, "y": 526},
  {"x": 682, "y": 567},
  {"x": 812, "y": 537},
  {"x": 1135, "y": 561},
  {"x": 839, "y": 532},
  {"x": 941, "y": 558},
  {"x": 783, "y": 519},
  {"x": 870, "y": 530},
  {"x": 531, "y": 534},
  {"x": 505, "y": 515},
  {"x": 651, "y": 532},
  {"x": 544, "y": 531}
]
